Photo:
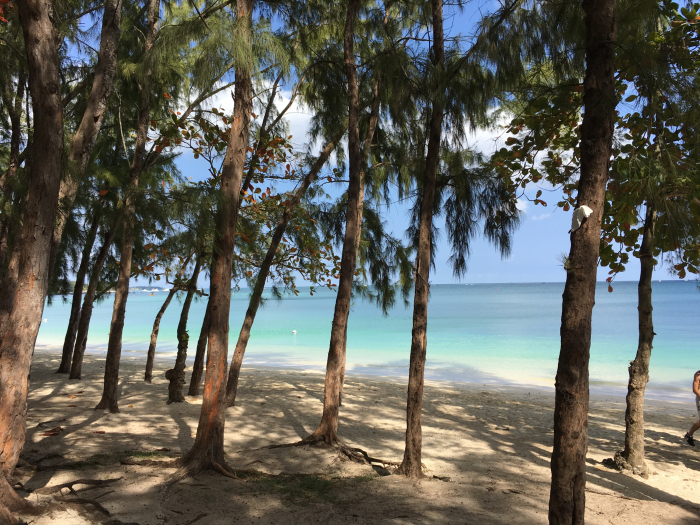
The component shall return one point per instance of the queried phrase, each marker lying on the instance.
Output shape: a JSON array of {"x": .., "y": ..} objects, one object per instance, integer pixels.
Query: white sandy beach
[{"x": 493, "y": 443}]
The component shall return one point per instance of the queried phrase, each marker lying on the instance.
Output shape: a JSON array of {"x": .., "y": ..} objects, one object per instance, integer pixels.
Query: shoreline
[{"x": 597, "y": 389}]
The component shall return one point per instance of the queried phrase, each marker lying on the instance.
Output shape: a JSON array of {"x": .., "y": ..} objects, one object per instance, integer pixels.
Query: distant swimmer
[
  {"x": 294, "y": 331},
  {"x": 688, "y": 438}
]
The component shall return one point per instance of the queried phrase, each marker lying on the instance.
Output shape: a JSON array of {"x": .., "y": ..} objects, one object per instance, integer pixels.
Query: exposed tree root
[
  {"x": 83, "y": 501},
  {"x": 150, "y": 462},
  {"x": 620, "y": 463},
  {"x": 93, "y": 483},
  {"x": 352, "y": 453}
]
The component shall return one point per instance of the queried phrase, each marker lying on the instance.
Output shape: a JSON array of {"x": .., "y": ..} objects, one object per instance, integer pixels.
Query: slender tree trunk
[
  {"x": 177, "y": 375},
  {"x": 156, "y": 325},
  {"x": 110, "y": 396},
  {"x": 154, "y": 334},
  {"x": 244, "y": 335},
  {"x": 88, "y": 302},
  {"x": 69, "y": 341},
  {"x": 411, "y": 464},
  {"x": 639, "y": 368},
  {"x": 84, "y": 139},
  {"x": 208, "y": 448},
  {"x": 198, "y": 365},
  {"x": 327, "y": 430},
  {"x": 25, "y": 283},
  {"x": 371, "y": 128},
  {"x": 567, "y": 501}
]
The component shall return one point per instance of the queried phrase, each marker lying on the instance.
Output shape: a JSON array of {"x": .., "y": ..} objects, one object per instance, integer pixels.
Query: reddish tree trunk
[
  {"x": 69, "y": 341},
  {"x": 327, "y": 430},
  {"x": 25, "y": 283},
  {"x": 110, "y": 396},
  {"x": 208, "y": 448},
  {"x": 411, "y": 464},
  {"x": 88, "y": 302},
  {"x": 244, "y": 335},
  {"x": 177, "y": 374},
  {"x": 156, "y": 325},
  {"x": 567, "y": 499},
  {"x": 639, "y": 368},
  {"x": 198, "y": 366},
  {"x": 85, "y": 136}
]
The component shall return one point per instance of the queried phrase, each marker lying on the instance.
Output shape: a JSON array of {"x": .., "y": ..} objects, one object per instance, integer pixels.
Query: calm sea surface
[{"x": 482, "y": 333}]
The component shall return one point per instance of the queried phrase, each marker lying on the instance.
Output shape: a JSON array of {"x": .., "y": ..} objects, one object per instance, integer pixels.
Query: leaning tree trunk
[
  {"x": 154, "y": 334},
  {"x": 411, "y": 464},
  {"x": 151, "y": 356},
  {"x": 567, "y": 500},
  {"x": 208, "y": 448},
  {"x": 85, "y": 136},
  {"x": 69, "y": 341},
  {"x": 198, "y": 365},
  {"x": 244, "y": 335},
  {"x": 639, "y": 368},
  {"x": 26, "y": 280},
  {"x": 177, "y": 375},
  {"x": 110, "y": 396},
  {"x": 88, "y": 302},
  {"x": 327, "y": 430}
]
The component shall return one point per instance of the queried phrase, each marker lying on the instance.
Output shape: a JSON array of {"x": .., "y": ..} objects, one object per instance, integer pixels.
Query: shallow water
[{"x": 484, "y": 333}]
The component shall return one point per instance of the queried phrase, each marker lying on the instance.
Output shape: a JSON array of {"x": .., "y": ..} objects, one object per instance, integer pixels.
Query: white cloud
[
  {"x": 542, "y": 217},
  {"x": 522, "y": 205}
]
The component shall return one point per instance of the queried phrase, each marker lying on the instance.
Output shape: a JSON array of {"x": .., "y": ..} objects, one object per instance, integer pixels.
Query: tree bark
[
  {"x": 198, "y": 365},
  {"x": 327, "y": 430},
  {"x": 25, "y": 283},
  {"x": 156, "y": 326},
  {"x": 411, "y": 463},
  {"x": 110, "y": 396},
  {"x": 13, "y": 103},
  {"x": 88, "y": 302},
  {"x": 639, "y": 368},
  {"x": 244, "y": 335},
  {"x": 69, "y": 341},
  {"x": 84, "y": 139},
  {"x": 208, "y": 448},
  {"x": 567, "y": 495},
  {"x": 177, "y": 374}
]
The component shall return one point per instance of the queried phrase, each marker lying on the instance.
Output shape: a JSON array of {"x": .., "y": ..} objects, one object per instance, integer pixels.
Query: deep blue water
[{"x": 485, "y": 333}]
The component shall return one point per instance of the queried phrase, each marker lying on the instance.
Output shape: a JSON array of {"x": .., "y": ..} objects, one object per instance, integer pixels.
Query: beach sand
[{"x": 491, "y": 445}]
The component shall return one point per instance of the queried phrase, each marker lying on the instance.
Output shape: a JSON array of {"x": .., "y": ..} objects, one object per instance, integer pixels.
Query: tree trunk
[
  {"x": 177, "y": 375},
  {"x": 371, "y": 128},
  {"x": 69, "y": 341},
  {"x": 110, "y": 396},
  {"x": 208, "y": 448},
  {"x": 244, "y": 336},
  {"x": 639, "y": 368},
  {"x": 411, "y": 464},
  {"x": 156, "y": 325},
  {"x": 88, "y": 302},
  {"x": 198, "y": 366},
  {"x": 13, "y": 104},
  {"x": 25, "y": 283},
  {"x": 154, "y": 334},
  {"x": 327, "y": 430},
  {"x": 567, "y": 499},
  {"x": 84, "y": 139}
]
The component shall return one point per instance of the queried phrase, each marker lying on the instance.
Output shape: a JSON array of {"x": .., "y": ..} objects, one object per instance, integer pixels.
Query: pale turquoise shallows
[{"x": 483, "y": 333}]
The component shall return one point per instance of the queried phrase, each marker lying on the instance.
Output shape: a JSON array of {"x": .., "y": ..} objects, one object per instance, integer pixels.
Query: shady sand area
[{"x": 490, "y": 445}]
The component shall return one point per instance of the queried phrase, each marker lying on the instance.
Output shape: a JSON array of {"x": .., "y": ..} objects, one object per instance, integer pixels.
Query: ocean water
[{"x": 480, "y": 333}]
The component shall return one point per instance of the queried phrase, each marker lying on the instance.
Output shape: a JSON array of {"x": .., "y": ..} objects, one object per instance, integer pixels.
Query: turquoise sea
[{"x": 480, "y": 333}]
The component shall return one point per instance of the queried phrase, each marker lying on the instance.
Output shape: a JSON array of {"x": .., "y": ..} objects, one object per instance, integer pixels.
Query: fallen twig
[{"x": 71, "y": 484}]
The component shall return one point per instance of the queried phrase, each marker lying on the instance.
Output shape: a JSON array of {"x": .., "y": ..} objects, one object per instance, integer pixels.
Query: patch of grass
[
  {"x": 366, "y": 477},
  {"x": 107, "y": 458},
  {"x": 299, "y": 489}
]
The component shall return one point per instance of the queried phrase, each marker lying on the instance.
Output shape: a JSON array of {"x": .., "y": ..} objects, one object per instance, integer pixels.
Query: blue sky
[{"x": 538, "y": 244}]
